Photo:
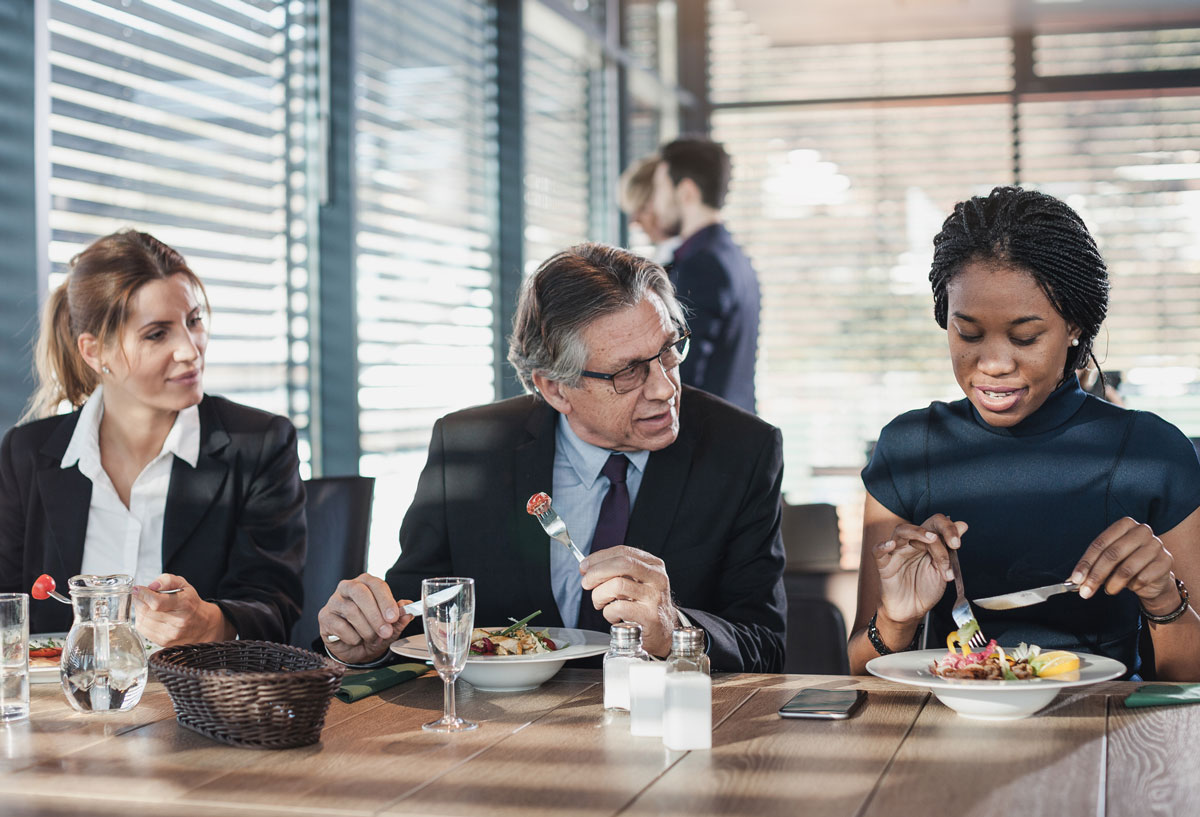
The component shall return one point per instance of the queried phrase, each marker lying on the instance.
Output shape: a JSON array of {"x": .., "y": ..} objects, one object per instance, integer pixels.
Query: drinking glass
[
  {"x": 14, "y": 657},
  {"x": 448, "y": 625}
]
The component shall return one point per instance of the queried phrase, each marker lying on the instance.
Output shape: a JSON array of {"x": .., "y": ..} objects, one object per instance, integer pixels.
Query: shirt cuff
[{"x": 378, "y": 662}]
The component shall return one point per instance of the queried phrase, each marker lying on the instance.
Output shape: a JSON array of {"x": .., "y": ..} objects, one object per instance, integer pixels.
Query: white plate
[
  {"x": 49, "y": 675},
  {"x": 990, "y": 700},
  {"x": 513, "y": 673}
]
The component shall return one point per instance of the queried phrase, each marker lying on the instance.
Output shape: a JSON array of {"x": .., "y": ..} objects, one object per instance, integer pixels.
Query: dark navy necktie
[{"x": 610, "y": 531}]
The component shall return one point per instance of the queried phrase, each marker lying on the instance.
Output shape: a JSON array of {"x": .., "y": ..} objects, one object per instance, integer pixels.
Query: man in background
[
  {"x": 711, "y": 274},
  {"x": 636, "y": 199}
]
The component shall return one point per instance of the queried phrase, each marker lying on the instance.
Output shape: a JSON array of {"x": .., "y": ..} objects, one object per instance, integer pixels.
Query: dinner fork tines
[
  {"x": 962, "y": 612},
  {"x": 556, "y": 528}
]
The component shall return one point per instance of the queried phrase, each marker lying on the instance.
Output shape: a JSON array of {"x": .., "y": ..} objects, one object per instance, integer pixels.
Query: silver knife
[
  {"x": 1024, "y": 598},
  {"x": 417, "y": 608}
]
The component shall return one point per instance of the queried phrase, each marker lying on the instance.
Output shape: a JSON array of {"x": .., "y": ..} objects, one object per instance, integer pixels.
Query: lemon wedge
[{"x": 1055, "y": 662}]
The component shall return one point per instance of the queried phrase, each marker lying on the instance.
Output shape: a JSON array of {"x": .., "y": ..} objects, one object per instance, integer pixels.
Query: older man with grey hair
[{"x": 674, "y": 494}]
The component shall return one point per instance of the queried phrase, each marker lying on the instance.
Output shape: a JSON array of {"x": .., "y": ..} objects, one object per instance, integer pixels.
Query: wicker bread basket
[{"x": 255, "y": 694}]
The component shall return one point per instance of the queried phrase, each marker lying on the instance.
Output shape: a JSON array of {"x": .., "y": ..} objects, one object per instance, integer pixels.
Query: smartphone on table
[{"x": 832, "y": 704}]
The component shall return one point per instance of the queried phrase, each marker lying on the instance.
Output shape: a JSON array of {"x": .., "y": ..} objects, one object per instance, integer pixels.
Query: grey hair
[{"x": 566, "y": 294}]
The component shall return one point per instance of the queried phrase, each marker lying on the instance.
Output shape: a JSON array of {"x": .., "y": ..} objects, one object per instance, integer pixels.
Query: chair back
[
  {"x": 816, "y": 632},
  {"x": 811, "y": 538},
  {"x": 339, "y": 521}
]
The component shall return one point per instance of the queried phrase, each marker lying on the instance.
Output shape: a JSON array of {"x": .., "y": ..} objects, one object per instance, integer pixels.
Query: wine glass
[{"x": 449, "y": 620}]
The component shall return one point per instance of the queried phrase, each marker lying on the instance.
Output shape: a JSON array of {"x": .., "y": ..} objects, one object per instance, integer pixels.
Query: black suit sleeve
[
  {"x": 12, "y": 520},
  {"x": 424, "y": 543},
  {"x": 745, "y": 620},
  {"x": 708, "y": 292},
  {"x": 261, "y": 591}
]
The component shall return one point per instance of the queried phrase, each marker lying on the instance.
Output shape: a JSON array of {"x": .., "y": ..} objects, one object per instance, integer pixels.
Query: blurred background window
[
  {"x": 189, "y": 121},
  {"x": 425, "y": 234}
]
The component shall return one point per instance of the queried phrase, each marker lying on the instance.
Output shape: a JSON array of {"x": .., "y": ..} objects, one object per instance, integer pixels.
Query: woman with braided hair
[{"x": 1031, "y": 480}]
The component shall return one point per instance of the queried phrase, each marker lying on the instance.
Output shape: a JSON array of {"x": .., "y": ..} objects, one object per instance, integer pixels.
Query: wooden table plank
[
  {"x": 578, "y": 760},
  {"x": 54, "y": 729},
  {"x": 364, "y": 763},
  {"x": 79, "y": 804},
  {"x": 982, "y": 768},
  {"x": 1153, "y": 760},
  {"x": 764, "y": 765}
]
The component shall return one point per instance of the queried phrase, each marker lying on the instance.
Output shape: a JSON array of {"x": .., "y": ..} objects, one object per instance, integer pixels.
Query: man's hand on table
[
  {"x": 628, "y": 584},
  {"x": 364, "y": 617}
]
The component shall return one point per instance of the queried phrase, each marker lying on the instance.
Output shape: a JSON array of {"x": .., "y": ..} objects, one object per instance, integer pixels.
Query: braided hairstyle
[{"x": 1042, "y": 236}]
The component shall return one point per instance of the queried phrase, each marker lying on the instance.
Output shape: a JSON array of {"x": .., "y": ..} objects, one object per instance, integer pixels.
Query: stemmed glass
[{"x": 448, "y": 626}]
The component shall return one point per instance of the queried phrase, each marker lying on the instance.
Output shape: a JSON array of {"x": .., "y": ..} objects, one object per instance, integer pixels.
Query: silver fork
[
  {"x": 962, "y": 612},
  {"x": 557, "y": 529}
]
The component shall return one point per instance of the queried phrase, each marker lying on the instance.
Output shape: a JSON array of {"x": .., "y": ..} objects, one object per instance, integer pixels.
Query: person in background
[
  {"x": 1103, "y": 385},
  {"x": 149, "y": 476},
  {"x": 712, "y": 275},
  {"x": 1029, "y": 479},
  {"x": 636, "y": 196},
  {"x": 673, "y": 495}
]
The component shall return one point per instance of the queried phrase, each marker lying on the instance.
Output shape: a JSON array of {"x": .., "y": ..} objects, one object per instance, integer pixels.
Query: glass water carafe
[{"x": 103, "y": 662}]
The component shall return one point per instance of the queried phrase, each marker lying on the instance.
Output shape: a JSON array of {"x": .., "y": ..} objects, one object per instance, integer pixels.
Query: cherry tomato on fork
[{"x": 43, "y": 587}]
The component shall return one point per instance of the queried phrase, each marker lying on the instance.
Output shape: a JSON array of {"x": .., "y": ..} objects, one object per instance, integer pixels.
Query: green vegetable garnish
[{"x": 516, "y": 625}]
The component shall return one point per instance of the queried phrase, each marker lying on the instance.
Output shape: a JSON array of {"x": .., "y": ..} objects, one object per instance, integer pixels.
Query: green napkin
[
  {"x": 1164, "y": 695},
  {"x": 361, "y": 684}
]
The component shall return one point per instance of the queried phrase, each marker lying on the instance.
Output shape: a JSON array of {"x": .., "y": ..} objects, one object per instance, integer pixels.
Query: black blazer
[
  {"x": 718, "y": 286},
  {"x": 234, "y": 526},
  {"x": 708, "y": 506}
]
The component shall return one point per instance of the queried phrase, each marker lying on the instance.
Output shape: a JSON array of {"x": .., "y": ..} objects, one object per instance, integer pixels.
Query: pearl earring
[
  {"x": 105, "y": 369},
  {"x": 1074, "y": 341}
]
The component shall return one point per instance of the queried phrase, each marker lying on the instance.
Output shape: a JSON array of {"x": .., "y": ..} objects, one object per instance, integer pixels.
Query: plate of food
[
  {"x": 517, "y": 657},
  {"x": 45, "y": 652},
  {"x": 45, "y": 655},
  {"x": 994, "y": 683}
]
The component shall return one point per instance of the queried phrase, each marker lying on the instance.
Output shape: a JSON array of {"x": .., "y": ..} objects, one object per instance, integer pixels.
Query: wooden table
[{"x": 556, "y": 752}]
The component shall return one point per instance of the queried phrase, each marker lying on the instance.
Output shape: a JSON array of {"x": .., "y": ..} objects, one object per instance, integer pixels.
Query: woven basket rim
[{"x": 159, "y": 661}]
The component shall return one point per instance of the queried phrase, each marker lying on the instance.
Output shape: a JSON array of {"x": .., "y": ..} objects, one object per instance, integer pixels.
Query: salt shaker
[
  {"x": 687, "y": 719},
  {"x": 647, "y": 686},
  {"x": 624, "y": 649}
]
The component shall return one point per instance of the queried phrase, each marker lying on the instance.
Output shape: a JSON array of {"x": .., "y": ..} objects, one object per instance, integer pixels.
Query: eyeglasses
[{"x": 635, "y": 374}]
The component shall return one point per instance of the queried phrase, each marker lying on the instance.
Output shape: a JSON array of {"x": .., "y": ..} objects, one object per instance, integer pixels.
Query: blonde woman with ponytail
[{"x": 122, "y": 464}]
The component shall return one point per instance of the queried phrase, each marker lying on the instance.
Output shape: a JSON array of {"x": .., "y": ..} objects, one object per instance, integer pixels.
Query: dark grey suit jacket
[
  {"x": 234, "y": 526},
  {"x": 718, "y": 286},
  {"x": 708, "y": 506}
]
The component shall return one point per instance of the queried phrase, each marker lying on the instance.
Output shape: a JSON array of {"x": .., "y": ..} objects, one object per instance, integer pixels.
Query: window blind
[
  {"x": 559, "y": 131},
  {"x": 1131, "y": 167},
  {"x": 747, "y": 65},
  {"x": 174, "y": 118},
  {"x": 425, "y": 234}
]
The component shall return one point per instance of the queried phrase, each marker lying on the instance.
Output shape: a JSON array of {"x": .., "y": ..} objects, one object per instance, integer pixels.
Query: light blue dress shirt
[{"x": 578, "y": 492}]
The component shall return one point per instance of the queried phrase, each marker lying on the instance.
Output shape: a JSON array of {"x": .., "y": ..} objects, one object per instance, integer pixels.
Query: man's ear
[
  {"x": 89, "y": 350},
  {"x": 552, "y": 392},
  {"x": 688, "y": 192}
]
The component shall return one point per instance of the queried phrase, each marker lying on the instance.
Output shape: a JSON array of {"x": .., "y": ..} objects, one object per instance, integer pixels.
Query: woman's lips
[
  {"x": 189, "y": 379},
  {"x": 999, "y": 398}
]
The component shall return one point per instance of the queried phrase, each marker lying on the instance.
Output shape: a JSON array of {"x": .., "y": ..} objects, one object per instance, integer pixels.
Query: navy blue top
[
  {"x": 718, "y": 287},
  {"x": 1035, "y": 495}
]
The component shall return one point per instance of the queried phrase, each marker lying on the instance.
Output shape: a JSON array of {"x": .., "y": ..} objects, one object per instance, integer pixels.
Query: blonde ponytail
[{"x": 60, "y": 371}]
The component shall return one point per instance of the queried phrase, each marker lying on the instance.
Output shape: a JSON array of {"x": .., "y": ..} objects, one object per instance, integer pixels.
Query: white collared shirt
[{"x": 120, "y": 539}]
